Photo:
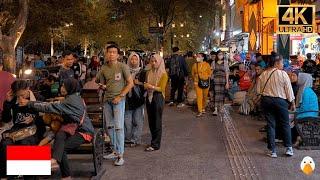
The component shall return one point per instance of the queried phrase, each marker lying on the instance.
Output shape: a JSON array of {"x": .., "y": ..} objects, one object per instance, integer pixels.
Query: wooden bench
[
  {"x": 95, "y": 148},
  {"x": 309, "y": 130},
  {"x": 91, "y": 96},
  {"x": 94, "y": 106}
]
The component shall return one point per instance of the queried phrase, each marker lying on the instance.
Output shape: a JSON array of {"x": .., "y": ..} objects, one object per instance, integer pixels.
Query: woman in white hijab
[
  {"x": 306, "y": 100},
  {"x": 134, "y": 114},
  {"x": 156, "y": 82}
]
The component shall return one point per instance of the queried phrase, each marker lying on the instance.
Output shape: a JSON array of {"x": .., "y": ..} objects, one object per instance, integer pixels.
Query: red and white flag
[{"x": 28, "y": 160}]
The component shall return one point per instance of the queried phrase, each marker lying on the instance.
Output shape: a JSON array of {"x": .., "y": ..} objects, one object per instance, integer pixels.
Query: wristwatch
[{"x": 122, "y": 95}]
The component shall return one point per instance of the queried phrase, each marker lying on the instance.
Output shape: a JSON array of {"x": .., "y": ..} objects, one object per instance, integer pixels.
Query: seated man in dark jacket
[
  {"x": 23, "y": 118},
  {"x": 76, "y": 128}
]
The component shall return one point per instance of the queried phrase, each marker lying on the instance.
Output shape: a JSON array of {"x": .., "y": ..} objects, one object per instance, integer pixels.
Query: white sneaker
[
  {"x": 112, "y": 155},
  {"x": 171, "y": 103},
  {"x": 289, "y": 151},
  {"x": 215, "y": 112},
  {"x": 181, "y": 105},
  {"x": 272, "y": 154},
  {"x": 119, "y": 161}
]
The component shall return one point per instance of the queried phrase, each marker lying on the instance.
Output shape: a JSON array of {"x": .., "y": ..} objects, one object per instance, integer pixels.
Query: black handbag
[{"x": 203, "y": 84}]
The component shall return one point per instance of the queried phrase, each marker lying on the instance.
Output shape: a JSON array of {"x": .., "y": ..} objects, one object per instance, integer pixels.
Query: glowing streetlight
[
  {"x": 182, "y": 36},
  {"x": 68, "y": 24},
  {"x": 200, "y": 16},
  {"x": 175, "y": 36},
  {"x": 173, "y": 25},
  {"x": 181, "y": 25},
  {"x": 188, "y": 35}
]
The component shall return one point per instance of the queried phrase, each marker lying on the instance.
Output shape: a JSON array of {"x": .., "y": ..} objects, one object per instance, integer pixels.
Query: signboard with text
[
  {"x": 296, "y": 19},
  {"x": 154, "y": 30}
]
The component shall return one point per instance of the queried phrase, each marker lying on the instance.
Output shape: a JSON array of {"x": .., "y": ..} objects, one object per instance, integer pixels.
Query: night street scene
[{"x": 160, "y": 89}]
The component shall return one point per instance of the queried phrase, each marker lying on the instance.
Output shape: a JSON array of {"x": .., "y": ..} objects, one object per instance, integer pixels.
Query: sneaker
[
  {"x": 112, "y": 155},
  {"x": 272, "y": 154},
  {"x": 119, "y": 161},
  {"x": 215, "y": 113},
  {"x": 171, "y": 103},
  {"x": 181, "y": 105},
  {"x": 199, "y": 114},
  {"x": 289, "y": 151}
]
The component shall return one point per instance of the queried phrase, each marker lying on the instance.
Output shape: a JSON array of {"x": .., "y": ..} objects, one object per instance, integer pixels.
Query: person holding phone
[
  {"x": 116, "y": 81},
  {"x": 22, "y": 117}
]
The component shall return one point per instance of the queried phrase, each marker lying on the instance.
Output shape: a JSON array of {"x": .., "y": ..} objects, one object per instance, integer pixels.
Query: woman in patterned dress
[{"x": 221, "y": 80}]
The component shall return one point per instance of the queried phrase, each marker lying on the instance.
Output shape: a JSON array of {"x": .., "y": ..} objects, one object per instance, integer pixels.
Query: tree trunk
[
  {"x": 86, "y": 44},
  {"x": 9, "y": 43}
]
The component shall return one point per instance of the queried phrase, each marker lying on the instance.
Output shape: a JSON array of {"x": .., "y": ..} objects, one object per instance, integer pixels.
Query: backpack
[
  {"x": 245, "y": 82},
  {"x": 174, "y": 69}
]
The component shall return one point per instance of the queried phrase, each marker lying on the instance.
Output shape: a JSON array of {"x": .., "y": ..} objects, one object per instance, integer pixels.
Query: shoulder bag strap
[
  {"x": 84, "y": 112},
  {"x": 267, "y": 81}
]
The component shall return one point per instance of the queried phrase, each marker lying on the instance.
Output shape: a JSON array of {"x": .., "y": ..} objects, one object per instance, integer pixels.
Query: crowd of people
[
  {"x": 125, "y": 87},
  {"x": 130, "y": 85},
  {"x": 269, "y": 81}
]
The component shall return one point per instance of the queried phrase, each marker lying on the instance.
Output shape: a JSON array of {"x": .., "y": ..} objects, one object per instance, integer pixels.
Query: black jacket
[
  {"x": 136, "y": 97},
  {"x": 71, "y": 109},
  {"x": 13, "y": 112}
]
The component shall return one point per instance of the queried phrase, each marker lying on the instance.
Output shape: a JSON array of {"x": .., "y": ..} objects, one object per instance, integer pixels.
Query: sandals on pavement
[{"x": 150, "y": 149}]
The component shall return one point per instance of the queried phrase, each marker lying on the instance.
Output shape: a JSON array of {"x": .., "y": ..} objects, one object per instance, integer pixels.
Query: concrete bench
[{"x": 309, "y": 130}]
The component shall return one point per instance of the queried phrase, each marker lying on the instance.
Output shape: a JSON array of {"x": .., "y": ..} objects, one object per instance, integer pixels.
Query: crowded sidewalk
[{"x": 195, "y": 148}]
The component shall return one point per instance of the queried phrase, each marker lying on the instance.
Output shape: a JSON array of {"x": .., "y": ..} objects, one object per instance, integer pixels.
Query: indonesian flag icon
[{"x": 28, "y": 160}]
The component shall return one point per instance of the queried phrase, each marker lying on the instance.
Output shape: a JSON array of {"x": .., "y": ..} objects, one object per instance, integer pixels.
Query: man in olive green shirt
[{"x": 115, "y": 79}]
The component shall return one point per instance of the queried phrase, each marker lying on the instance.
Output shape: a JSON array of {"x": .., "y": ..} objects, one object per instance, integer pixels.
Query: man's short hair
[
  {"x": 93, "y": 74},
  {"x": 112, "y": 42},
  {"x": 66, "y": 53},
  {"x": 112, "y": 46},
  {"x": 75, "y": 55},
  {"x": 309, "y": 55},
  {"x": 175, "y": 49},
  {"x": 189, "y": 53},
  {"x": 213, "y": 53}
]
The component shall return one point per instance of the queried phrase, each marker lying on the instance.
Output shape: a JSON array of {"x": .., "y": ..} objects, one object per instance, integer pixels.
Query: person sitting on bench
[
  {"x": 306, "y": 101},
  {"x": 76, "y": 128},
  {"x": 24, "y": 129}
]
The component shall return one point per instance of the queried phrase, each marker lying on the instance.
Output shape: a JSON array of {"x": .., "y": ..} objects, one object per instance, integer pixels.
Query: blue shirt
[
  {"x": 309, "y": 103},
  {"x": 39, "y": 64}
]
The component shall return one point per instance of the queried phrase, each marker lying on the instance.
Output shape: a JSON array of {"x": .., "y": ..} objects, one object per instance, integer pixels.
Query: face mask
[
  {"x": 199, "y": 59},
  {"x": 220, "y": 57}
]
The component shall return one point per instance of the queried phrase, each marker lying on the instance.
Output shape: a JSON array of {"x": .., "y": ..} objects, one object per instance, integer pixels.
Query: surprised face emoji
[{"x": 307, "y": 165}]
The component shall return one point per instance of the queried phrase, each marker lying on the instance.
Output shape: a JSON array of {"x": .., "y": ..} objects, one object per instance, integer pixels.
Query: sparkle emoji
[{"x": 307, "y": 165}]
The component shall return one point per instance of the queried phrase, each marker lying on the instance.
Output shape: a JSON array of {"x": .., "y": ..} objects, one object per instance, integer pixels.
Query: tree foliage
[{"x": 127, "y": 23}]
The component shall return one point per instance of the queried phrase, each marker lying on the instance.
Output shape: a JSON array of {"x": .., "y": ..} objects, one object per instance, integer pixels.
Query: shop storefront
[{"x": 302, "y": 43}]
